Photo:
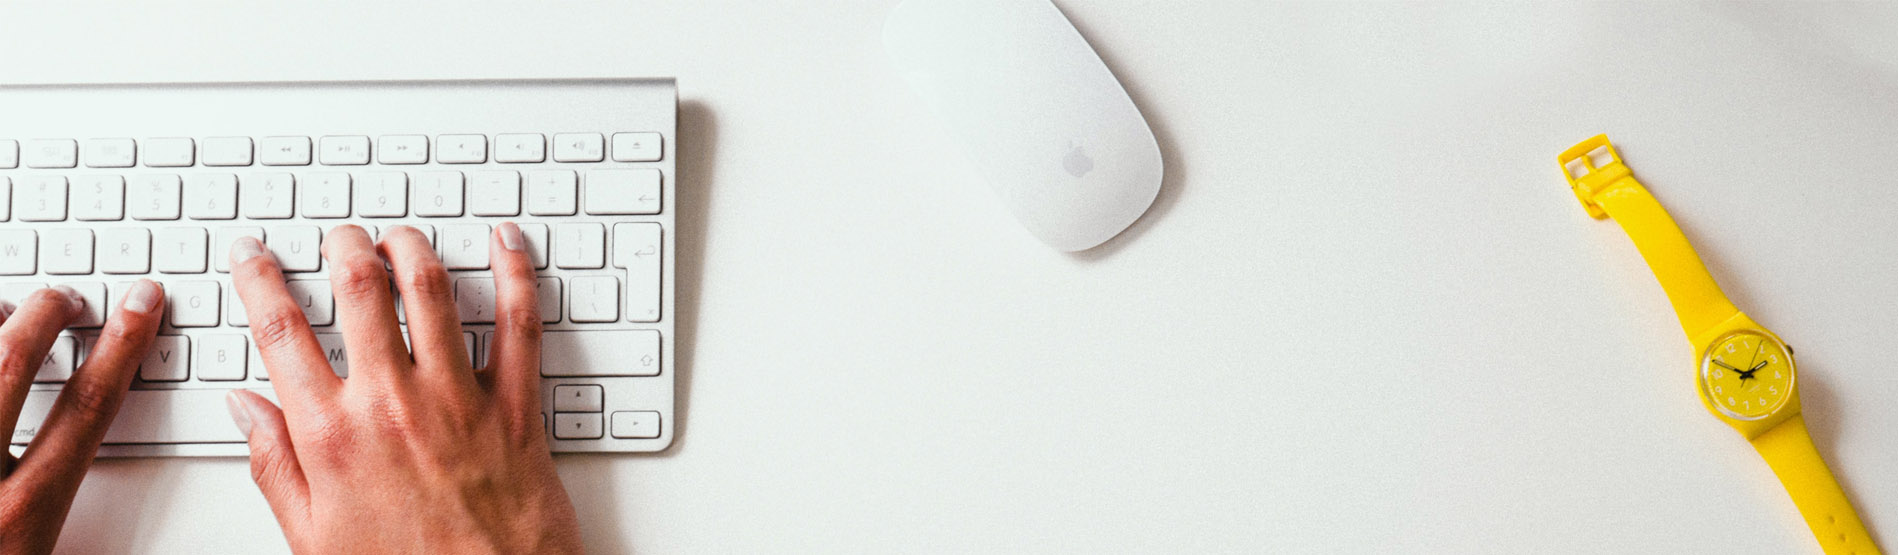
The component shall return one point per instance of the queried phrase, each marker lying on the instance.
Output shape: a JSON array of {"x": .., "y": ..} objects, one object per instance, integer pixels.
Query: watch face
[{"x": 1747, "y": 375}]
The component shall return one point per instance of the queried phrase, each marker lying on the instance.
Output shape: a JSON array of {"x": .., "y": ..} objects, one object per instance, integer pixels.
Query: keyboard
[{"x": 101, "y": 185}]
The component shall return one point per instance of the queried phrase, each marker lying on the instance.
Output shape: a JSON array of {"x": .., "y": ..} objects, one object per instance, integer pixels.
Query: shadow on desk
[{"x": 591, "y": 478}]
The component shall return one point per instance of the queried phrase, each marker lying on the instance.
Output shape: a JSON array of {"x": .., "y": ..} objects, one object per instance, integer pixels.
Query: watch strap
[
  {"x": 1607, "y": 188},
  {"x": 1788, "y": 449}
]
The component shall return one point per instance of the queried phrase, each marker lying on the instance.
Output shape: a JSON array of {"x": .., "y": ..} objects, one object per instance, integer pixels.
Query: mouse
[{"x": 1036, "y": 112}]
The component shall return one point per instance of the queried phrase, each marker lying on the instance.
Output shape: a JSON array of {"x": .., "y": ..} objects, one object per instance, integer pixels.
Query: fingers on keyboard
[
  {"x": 280, "y": 327},
  {"x": 514, "y": 353},
  {"x": 428, "y": 297},
  {"x": 78, "y": 420},
  {"x": 365, "y": 303}
]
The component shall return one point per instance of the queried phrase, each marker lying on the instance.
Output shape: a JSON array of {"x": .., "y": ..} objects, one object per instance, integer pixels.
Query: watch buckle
[{"x": 1589, "y": 167}]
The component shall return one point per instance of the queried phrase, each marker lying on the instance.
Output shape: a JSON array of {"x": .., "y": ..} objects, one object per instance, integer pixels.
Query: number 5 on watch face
[{"x": 1747, "y": 375}]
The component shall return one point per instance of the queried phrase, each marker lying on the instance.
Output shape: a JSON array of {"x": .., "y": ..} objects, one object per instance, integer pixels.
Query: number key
[
  {"x": 268, "y": 196},
  {"x": 383, "y": 195},
  {"x": 438, "y": 194}
]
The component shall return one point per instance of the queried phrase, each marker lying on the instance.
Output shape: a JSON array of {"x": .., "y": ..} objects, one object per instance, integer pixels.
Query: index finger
[{"x": 302, "y": 377}]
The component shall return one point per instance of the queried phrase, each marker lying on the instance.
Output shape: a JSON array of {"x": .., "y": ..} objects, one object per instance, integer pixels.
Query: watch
[{"x": 1745, "y": 375}]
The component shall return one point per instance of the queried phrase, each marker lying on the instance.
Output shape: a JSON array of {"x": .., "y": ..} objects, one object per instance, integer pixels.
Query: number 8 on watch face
[{"x": 1747, "y": 375}]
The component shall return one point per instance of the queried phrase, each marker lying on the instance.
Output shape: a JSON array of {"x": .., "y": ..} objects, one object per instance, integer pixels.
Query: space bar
[{"x": 151, "y": 416}]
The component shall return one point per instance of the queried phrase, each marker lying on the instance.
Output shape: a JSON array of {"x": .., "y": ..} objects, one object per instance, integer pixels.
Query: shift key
[{"x": 600, "y": 353}]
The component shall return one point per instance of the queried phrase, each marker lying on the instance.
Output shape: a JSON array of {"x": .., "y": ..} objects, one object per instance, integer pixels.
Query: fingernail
[
  {"x": 142, "y": 298},
  {"x": 239, "y": 414},
  {"x": 72, "y": 296},
  {"x": 511, "y": 236},
  {"x": 246, "y": 248}
]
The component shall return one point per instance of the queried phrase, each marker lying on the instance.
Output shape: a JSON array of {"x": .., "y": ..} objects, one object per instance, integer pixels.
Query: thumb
[{"x": 273, "y": 461}]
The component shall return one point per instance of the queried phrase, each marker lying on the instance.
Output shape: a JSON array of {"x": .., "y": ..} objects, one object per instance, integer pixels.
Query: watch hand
[
  {"x": 1724, "y": 365},
  {"x": 1757, "y": 367}
]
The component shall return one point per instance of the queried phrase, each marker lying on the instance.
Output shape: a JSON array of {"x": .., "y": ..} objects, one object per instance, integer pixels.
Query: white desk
[{"x": 1364, "y": 315}]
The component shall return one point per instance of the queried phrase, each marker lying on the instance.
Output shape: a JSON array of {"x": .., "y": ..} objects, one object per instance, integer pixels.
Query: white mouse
[{"x": 1035, "y": 110}]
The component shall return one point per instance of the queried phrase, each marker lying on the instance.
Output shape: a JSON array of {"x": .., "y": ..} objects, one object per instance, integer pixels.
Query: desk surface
[{"x": 1365, "y": 314}]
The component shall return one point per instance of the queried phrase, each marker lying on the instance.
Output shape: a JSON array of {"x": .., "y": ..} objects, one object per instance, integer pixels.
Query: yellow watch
[{"x": 1745, "y": 374}]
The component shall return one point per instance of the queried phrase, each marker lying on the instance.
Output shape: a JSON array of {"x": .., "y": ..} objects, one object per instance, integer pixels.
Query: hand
[
  {"x": 37, "y": 489},
  {"x": 413, "y": 453}
]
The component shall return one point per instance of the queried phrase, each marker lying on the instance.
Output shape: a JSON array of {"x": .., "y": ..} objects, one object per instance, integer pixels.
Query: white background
[{"x": 1365, "y": 314}]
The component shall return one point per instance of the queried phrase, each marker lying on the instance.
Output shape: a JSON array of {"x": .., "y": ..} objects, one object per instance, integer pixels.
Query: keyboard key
[
  {"x": 221, "y": 357},
  {"x": 192, "y": 304},
  {"x": 382, "y": 195},
  {"x": 552, "y": 193},
  {"x": 170, "y": 152},
  {"x": 9, "y": 154},
  {"x": 16, "y": 292},
  {"x": 403, "y": 149},
  {"x": 298, "y": 248},
  {"x": 465, "y": 246},
  {"x": 98, "y": 198},
  {"x": 577, "y": 425},
  {"x": 474, "y": 300},
  {"x": 58, "y": 365},
  {"x": 40, "y": 198},
  {"x": 150, "y": 416},
  {"x": 180, "y": 250},
  {"x": 547, "y": 295},
  {"x": 227, "y": 151},
  {"x": 352, "y": 150},
  {"x": 494, "y": 193},
  {"x": 66, "y": 251},
  {"x": 613, "y": 192},
  {"x": 110, "y": 153},
  {"x": 325, "y": 195},
  {"x": 637, "y": 247},
  {"x": 580, "y": 246},
  {"x": 125, "y": 250},
  {"x": 268, "y": 196},
  {"x": 468, "y": 343},
  {"x": 19, "y": 252},
  {"x": 599, "y": 353},
  {"x": 226, "y": 236},
  {"x": 438, "y": 194},
  {"x": 284, "y": 151},
  {"x": 211, "y": 196},
  {"x": 156, "y": 197},
  {"x": 536, "y": 235},
  {"x": 461, "y": 149},
  {"x": 335, "y": 352},
  {"x": 593, "y": 299},
  {"x": 427, "y": 231},
  {"x": 166, "y": 361},
  {"x": 636, "y": 424},
  {"x": 514, "y": 148},
  {"x": 94, "y": 294},
  {"x": 637, "y": 147},
  {"x": 578, "y": 398},
  {"x": 313, "y": 296},
  {"x": 6, "y": 198},
  {"x": 52, "y": 153},
  {"x": 579, "y": 147}
]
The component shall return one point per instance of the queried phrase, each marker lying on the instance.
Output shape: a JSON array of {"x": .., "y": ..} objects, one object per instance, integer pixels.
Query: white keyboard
[{"x": 102, "y": 185}]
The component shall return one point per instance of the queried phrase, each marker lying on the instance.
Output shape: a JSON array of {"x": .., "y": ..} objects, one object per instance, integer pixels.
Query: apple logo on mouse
[
  {"x": 1077, "y": 162},
  {"x": 1048, "y": 126}
]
